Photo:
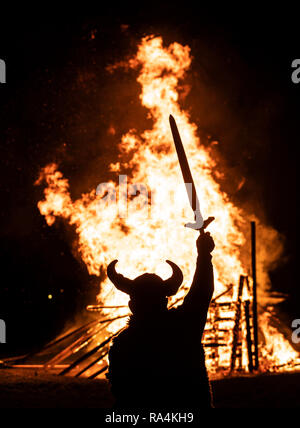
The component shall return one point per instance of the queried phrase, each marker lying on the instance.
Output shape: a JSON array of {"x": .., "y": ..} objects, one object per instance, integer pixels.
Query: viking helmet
[{"x": 146, "y": 284}]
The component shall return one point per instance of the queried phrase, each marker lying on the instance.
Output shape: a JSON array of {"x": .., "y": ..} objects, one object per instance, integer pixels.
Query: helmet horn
[
  {"x": 173, "y": 283},
  {"x": 120, "y": 282}
]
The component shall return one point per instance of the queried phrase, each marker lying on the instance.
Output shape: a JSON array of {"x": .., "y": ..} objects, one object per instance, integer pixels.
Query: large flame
[{"x": 142, "y": 229}]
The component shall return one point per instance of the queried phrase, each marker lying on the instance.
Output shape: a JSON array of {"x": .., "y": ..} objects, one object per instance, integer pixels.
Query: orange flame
[{"x": 143, "y": 230}]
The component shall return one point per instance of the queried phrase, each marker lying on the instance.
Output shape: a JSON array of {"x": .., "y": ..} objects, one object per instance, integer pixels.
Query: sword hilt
[
  {"x": 201, "y": 229},
  {"x": 205, "y": 224}
]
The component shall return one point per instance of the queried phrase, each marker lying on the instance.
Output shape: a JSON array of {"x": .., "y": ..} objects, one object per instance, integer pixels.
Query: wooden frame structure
[{"x": 231, "y": 330}]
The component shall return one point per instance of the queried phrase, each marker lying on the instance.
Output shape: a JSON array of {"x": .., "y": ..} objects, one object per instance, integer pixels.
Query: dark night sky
[{"x": 59, "y": 101}]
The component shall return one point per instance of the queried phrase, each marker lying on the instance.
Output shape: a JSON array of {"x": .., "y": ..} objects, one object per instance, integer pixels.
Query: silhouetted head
[{"x": 148, "y": 292}]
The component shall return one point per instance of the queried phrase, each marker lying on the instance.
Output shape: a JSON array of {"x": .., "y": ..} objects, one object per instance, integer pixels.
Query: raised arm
[{"x": 199, "y": 296}]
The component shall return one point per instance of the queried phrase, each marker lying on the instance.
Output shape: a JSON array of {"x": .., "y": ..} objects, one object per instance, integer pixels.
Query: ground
[{"x": 24, "y": 388}]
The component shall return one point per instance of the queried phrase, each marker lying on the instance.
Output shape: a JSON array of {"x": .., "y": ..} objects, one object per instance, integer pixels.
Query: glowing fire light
[{"x": 146, "y": 234}]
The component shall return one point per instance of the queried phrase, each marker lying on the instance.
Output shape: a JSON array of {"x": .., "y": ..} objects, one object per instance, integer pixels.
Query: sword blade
[
  {"x": 184, "y": 165},
  {"x": 186, "y": 173}
]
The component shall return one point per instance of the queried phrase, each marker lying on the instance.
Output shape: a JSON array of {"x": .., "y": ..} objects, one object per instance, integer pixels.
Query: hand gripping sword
[{"x": 188, "y": 181}]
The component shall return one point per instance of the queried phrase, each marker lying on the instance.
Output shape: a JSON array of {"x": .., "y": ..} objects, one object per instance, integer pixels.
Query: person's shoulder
[
  {"x": 124, "y": 332},
  {"x": 121, "y": 336}
]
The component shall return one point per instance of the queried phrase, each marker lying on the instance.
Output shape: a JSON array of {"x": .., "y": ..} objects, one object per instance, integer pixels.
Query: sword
[{"x": 199, "y": 224}]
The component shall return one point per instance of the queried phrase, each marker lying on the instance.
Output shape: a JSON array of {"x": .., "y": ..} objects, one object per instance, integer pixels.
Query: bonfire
[{"x": 138, "y": 218}]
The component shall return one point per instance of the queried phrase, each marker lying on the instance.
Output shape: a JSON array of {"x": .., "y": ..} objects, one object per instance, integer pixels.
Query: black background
[{"x": 59, "y": 101}]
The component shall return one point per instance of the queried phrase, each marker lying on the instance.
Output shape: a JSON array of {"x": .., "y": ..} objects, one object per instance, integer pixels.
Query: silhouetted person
[{"x": 158, "y": 360}]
